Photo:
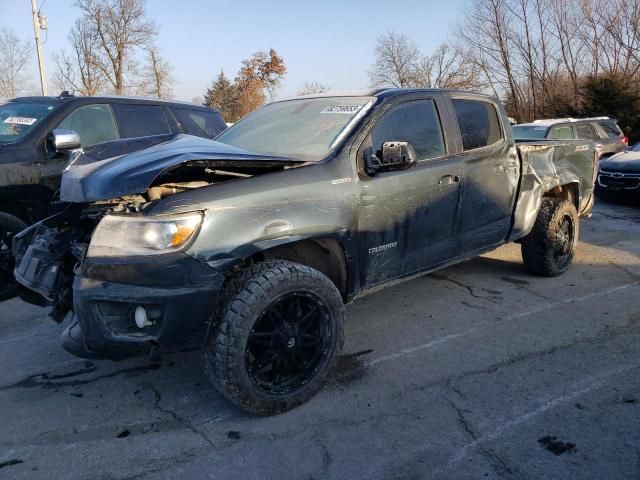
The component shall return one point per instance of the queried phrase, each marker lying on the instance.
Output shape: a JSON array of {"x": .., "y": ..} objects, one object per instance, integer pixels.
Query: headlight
[{"x": 122, "y": 235}]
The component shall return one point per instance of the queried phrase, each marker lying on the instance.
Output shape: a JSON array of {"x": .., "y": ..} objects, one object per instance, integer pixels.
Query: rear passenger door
[
  {"x": 407, "y": 218},
  {"x": 139, "y": 120},
  {"x": 491, "y": 174}
]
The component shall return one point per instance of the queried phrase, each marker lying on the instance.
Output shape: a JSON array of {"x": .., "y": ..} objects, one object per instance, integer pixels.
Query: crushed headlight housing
[{"x": 124, "y": 235}]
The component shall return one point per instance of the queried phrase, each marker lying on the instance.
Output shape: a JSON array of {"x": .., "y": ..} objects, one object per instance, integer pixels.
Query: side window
[
  {"x": 94, "y": 123},
  {"x": 584, "y": 131},
  {"x": 200, "y": 122},
  {"x": 478, "y": 122},
  {"x": 611, "y": 129},
  {"x": 415, "y": 122},
  {"x": 561, "y": 132},
  {"x": 141, "y": 120}
]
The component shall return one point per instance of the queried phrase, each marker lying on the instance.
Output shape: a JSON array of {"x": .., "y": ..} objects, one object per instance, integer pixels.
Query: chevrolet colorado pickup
[{"x": 250, "y": 245}]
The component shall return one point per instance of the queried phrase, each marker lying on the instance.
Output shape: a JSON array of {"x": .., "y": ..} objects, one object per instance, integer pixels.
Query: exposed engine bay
[{"x": 49, "y": 254}]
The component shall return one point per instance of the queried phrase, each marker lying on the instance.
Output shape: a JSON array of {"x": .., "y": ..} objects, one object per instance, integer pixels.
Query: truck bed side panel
[{"x": 546, "y": 165}]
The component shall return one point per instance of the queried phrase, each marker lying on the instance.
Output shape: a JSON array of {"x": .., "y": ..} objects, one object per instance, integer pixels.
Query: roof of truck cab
[{"x": 386, "y": 92}]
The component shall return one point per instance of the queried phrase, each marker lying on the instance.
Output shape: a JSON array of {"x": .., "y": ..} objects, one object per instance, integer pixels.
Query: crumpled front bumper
[{"x": 177, "y": 292}]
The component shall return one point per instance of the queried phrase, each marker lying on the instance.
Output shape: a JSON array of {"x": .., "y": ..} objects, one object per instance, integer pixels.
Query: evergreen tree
[
  {"x": 613, "y": 96},
  {"x": 223, "y": 95}
]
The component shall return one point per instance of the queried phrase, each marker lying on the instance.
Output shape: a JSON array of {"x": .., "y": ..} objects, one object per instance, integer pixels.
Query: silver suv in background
[{"x": 603, "y": 131}]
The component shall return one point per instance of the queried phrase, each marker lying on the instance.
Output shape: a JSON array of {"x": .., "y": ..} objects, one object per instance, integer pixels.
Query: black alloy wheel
[
  {"x": 549, "y": 248},
  {"x": 288, "y": 342},
  {"x": 274, "y": 336}
]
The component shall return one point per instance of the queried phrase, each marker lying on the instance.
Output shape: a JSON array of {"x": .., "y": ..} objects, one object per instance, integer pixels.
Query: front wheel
[
  {"x": 9, "y": 226},
  {"x": 278, "y": 331},
  {"x": 549, "y": 248}
]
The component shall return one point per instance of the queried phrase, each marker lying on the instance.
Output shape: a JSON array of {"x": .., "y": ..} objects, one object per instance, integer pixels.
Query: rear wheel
[
  {"x": 550, "y": 246},
  {"x": 278, "y": 331},
  {"x": 9, "y": 226}
]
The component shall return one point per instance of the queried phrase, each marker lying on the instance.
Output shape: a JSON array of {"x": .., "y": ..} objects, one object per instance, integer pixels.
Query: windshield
[
  {"x": 529, "y": 132},
  {"x": 635, "y": 148},
  {"x": 306, "y": 129},
  {"x": 19, "y": 118}
]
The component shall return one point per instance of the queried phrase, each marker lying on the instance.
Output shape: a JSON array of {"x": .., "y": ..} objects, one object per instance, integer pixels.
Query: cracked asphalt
[{"x": 477, "y": 371}]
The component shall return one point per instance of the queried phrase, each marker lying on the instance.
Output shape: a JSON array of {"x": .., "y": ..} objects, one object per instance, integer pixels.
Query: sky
[{"x": 330, "y": 41}]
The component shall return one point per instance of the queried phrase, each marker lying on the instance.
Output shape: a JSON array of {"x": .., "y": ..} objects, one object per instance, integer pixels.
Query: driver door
[{"x": 408, "y": 218}]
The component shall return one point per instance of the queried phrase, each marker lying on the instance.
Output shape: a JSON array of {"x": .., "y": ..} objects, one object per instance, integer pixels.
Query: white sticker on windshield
[
  {"x": 347, "y": 109},
  {"x": 20, "y": 120}
]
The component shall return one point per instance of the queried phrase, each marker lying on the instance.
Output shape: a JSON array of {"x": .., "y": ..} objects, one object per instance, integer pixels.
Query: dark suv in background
[
  {"x": 603, "y": 131},
  {"x": 31, "y": 167}
]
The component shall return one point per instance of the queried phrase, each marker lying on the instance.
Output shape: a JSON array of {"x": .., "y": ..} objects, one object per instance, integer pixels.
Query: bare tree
[
  {"x": 396, "y": 62},
  {"x": 14, "y": 59},
  {"x": 311, "y": 88},
  {"x": 567, "y": 21},
  {"x": 157, "y": 79},
  {"x": 400, "y": 63},
  {"x": 486, "y": 33},
  {"x": 449, "y": 67},
  {"x": 121, "y": 27},
  {"x": 622, "y": 23},
  {"x": 79, "y": 71}
]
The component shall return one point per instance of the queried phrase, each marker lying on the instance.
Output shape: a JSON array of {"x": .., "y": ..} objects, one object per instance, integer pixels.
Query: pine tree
[
  {"x": 615, "y": 96},
  {"x": 223, "y": 95}
]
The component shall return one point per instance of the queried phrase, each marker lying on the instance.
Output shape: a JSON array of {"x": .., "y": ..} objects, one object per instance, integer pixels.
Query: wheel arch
[
  {"x": 325, "y": 254},
  {"x": 569, "y": 191},
  {"x": 14, "y": 207}
]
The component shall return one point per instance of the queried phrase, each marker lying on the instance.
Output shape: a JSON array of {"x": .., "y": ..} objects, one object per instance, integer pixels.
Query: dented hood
[{"x": 129, "y": 167}]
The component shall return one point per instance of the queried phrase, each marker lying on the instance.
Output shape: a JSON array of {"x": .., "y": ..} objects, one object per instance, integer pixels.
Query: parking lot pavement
[{"x": 477, "y": 371}]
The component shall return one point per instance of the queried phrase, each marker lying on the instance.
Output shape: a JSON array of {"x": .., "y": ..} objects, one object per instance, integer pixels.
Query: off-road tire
[
  {"x": 541, "y": 247},
  {"x": 244, "y": 299},
  {"x": 13, "y": 225}
]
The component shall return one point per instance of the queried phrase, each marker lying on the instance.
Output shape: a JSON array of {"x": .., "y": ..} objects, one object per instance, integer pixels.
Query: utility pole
[{"x": 36, "y": 30}]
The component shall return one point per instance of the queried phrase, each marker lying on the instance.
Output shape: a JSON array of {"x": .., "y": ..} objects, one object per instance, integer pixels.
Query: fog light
[{"x": 141, "y": 317}]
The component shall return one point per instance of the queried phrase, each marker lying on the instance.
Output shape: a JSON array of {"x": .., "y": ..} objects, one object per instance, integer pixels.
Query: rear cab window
[
  {"x": 478, "y": 123},
  {"x": 137, "y": 120},
  {"x": 416, "y": 122}
]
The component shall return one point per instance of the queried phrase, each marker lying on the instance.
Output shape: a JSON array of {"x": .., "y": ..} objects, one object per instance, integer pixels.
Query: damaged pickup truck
[{"x": 249, "y": 246}]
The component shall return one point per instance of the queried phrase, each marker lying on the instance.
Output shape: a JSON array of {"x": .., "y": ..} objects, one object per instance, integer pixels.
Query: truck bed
[{"x": 547, "y": 164}]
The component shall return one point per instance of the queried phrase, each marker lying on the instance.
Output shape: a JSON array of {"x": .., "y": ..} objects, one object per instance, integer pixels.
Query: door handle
[{"x": 448, "y": 179}]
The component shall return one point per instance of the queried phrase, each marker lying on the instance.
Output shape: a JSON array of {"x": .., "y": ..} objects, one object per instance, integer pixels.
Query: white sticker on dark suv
[{"x": 20, "y": 120}]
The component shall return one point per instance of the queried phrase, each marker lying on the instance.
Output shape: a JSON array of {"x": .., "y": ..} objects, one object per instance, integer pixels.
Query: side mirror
[
  {"x": 395, "y": 156},
  {"x": 61, "y": 140}
]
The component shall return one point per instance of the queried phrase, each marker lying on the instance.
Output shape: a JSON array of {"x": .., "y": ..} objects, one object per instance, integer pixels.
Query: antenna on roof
[{"x": 65, "y": 94}]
